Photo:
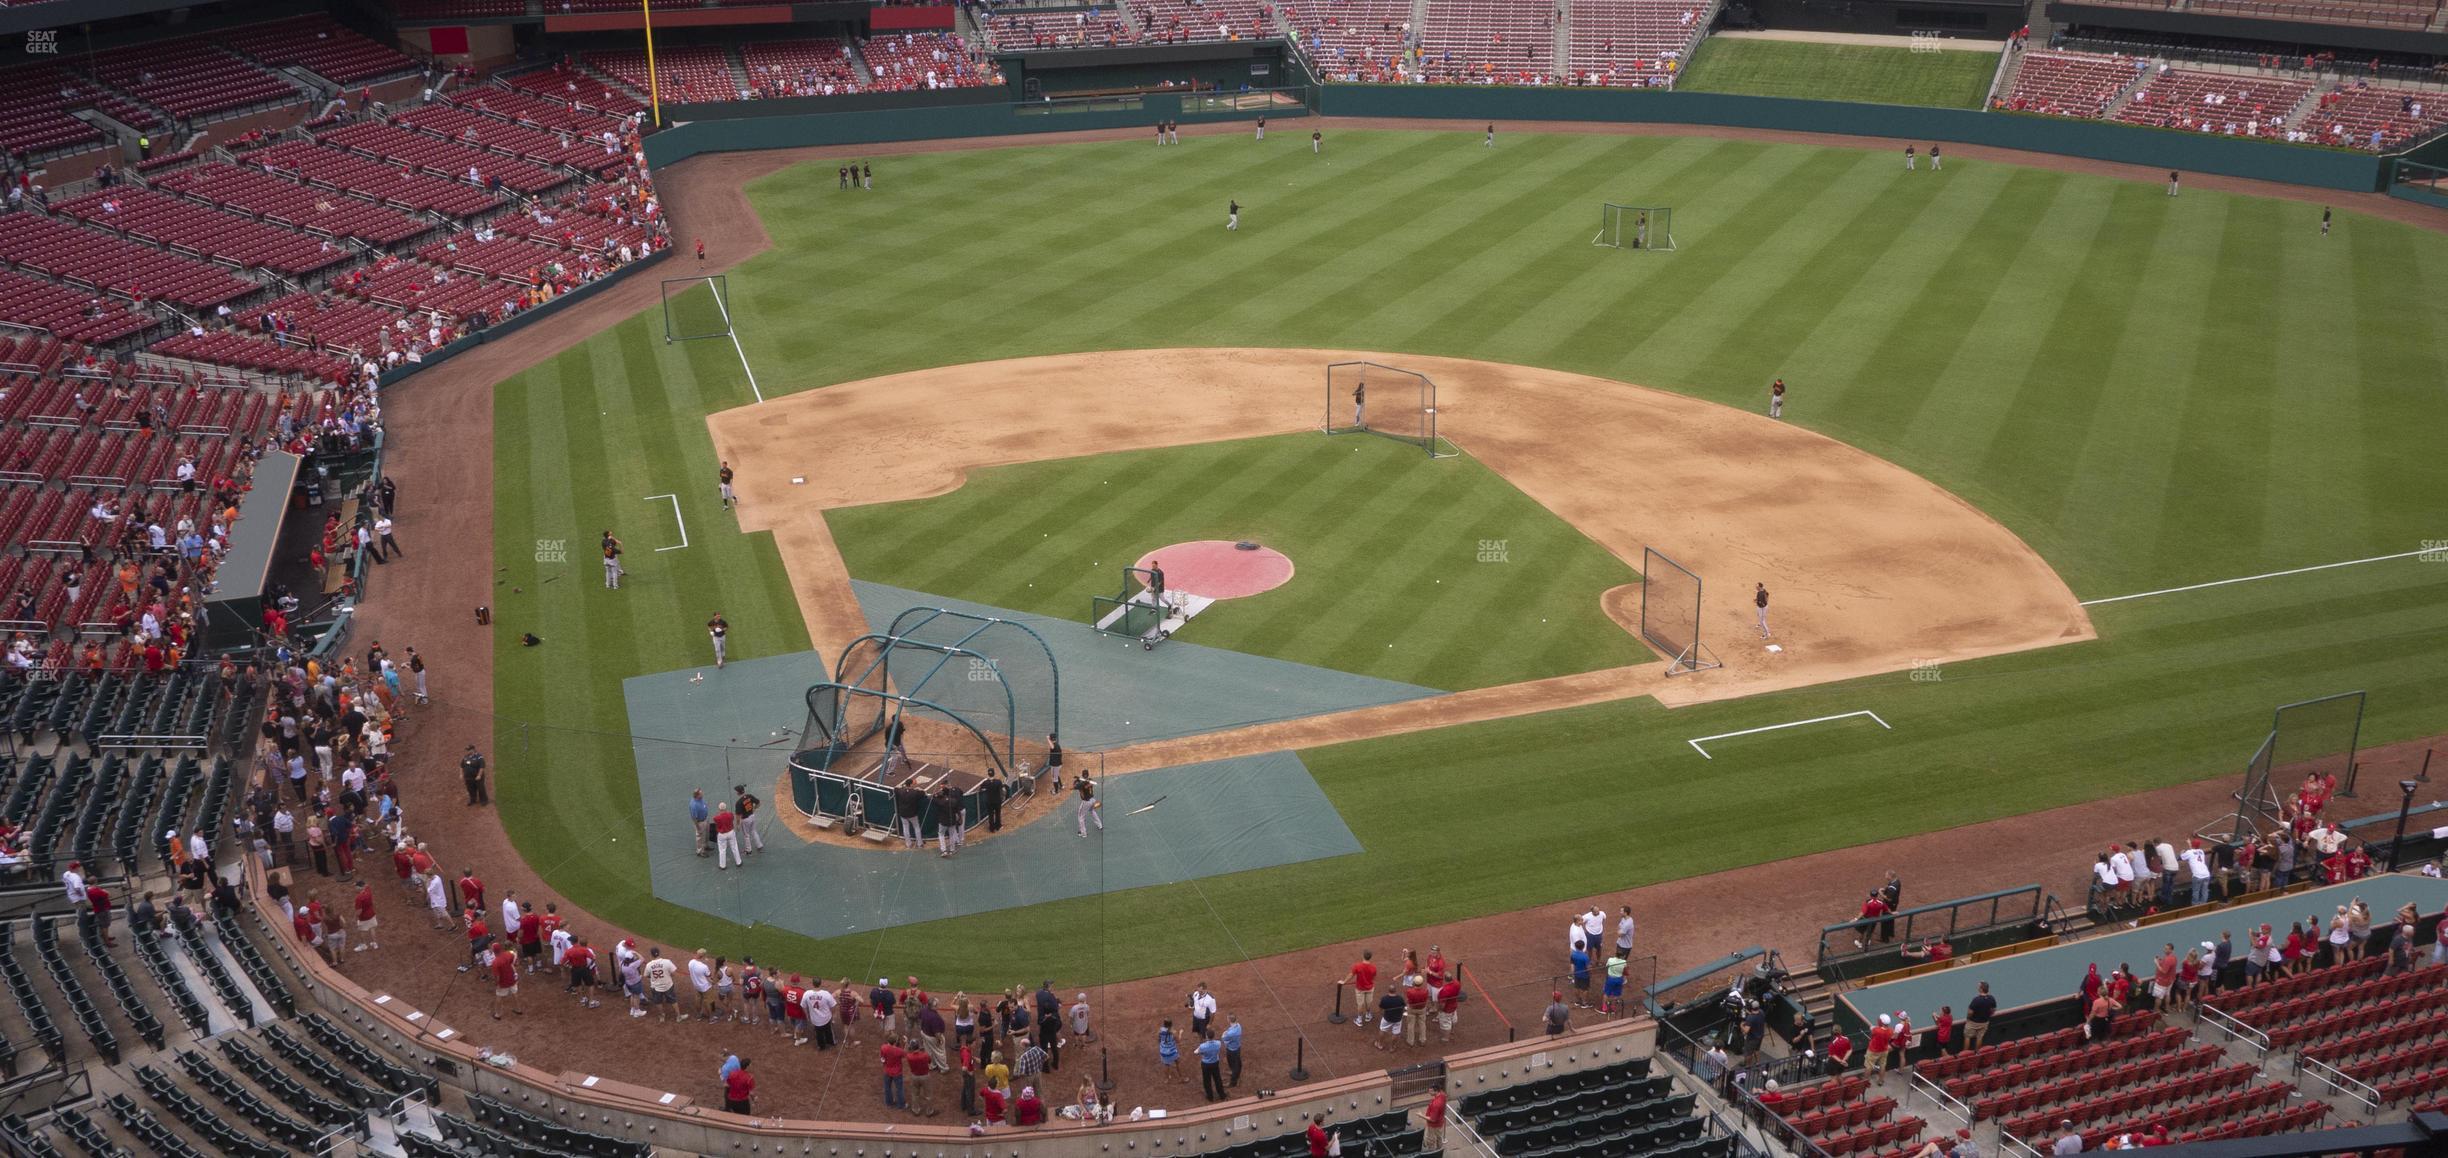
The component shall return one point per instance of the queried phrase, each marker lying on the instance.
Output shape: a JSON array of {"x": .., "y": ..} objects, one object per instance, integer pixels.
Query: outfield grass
[
  {"x": 2152, "y": 391},
  {"x": 1382, "y": 547},
  {"x": 1840, "y": 72}
]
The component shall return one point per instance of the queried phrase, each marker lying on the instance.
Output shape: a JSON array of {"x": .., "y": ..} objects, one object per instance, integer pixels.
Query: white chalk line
[
  {"x": 2433, "y": 551},
  {"x": 675, "y": 501},
  {"x": 1874, "y": 716},
  {"x": 735, "y": 347}
]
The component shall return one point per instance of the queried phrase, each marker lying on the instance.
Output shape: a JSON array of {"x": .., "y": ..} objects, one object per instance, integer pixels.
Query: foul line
[
  {"x": 1874, "y": 716},
  {"x": 2253, "y": 578},
  {"x": 675, "y": 518},
  {"x": 735, "y": 347}
]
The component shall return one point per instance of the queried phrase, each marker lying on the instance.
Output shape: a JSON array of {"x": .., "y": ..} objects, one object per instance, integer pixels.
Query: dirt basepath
[
  {"x": 1867, "y": 564},
  {"x": 440, "y": 423}
]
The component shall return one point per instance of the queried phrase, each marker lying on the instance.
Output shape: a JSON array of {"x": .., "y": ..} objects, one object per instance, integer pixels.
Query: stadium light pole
[{"x": 2404, "y": 808}]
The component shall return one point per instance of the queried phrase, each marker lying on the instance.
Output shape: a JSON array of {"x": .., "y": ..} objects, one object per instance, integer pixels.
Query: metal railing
[
  {"x": 2338, "y": 1083},
  {"x": 1852, "y": 941},
  {"x": 2250, "y": 1038}
]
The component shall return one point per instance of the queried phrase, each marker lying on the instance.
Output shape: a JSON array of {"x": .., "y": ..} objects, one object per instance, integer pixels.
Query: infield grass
[
  {"x": 2152, "y": 391},
  {"x": 1400, "y": 567},
  {"x": 1873, "y": 74}
]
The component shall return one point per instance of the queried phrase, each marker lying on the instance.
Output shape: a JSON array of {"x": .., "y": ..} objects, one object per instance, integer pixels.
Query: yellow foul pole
[{"x": 654, "y": 91}]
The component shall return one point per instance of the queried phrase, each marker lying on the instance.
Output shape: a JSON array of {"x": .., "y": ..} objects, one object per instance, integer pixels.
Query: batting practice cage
[
  {"x": 696, "y": 307},
  {"x": 1388, "y": 401},
  {"x": 1670, "y": 613},
  {"x": 1635, "y": 227},
  {"x": 1134, "y": 613},
  {"x": 937, "y": 696},
  {"x": 2308, "y": 738}
]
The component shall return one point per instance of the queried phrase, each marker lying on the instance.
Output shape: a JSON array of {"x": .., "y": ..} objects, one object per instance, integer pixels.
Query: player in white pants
[
  {"x": 1232, "y": 215},
  {"x": 1759, "y": 599},
  {"x": 1089, "y": 808}
]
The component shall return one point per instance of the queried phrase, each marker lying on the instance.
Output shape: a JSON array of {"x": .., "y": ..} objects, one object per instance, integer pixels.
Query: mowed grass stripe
[
  {"x": 1479, "y": 236},
  {"x": 2051, "y": 408},
  {"x": 1913, "y": 344}
]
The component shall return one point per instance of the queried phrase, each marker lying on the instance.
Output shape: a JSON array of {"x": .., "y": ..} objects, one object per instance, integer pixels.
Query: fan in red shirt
[
  {"x": 403, "y": 862},
  {"x": 794, "y": 991},
  {"x": 471, "y": 891},
  {"x": 477, "y": 936},
  {"x": 739, "y": 1088},
  {"x": 1317, "y": 1136},
  {"x": 896, "y": 1088},
  {"x": 505, "y": 982},
  {"x": 1882, "y": 1039},
  {"x": 580, "y": 960},
  {"x": 366, "y": 921},
  {"x": 1449, "y": 1005},
  {"x": 99, "y": 899},
  {"x": 530, "y": 936},
  {"x": 990, "y": 1100},
  {"x": 1363, "y": 978}
]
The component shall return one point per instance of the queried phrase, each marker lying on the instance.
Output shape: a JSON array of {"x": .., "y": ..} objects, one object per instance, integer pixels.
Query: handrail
[
  {"x": 2253, "y": 1039},
  {"x": 2339, "y": 1083},
  {"x": 1938, "y": 1096}
]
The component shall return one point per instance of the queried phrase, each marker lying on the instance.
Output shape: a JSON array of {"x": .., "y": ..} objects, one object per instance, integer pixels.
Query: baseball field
[{"x": 2148, "y": 393}]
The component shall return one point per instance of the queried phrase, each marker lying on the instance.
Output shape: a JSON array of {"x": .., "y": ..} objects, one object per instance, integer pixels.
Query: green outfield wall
[{"x": 2191, "y": 153}]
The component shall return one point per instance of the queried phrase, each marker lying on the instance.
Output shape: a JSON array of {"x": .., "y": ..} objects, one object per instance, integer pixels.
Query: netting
[
  {"x": 1670, "y": 613},
  {"x": 696, "y": 307},
  {"x": 2309, "y": 738},
  {"x": 1644, "y": 227},
  {"x": 1388, "y": 401}
]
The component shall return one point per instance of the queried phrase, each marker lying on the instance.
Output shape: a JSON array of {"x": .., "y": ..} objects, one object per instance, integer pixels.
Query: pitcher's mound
[{"x": 1219, "y": 569}]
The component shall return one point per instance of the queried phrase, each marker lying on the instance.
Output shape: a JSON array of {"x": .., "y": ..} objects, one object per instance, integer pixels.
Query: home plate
[{"x": 1776, "y": 647}]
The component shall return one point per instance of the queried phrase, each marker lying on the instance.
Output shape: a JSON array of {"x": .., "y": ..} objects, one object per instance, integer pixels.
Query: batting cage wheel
[{"x": 1643, "y": 227}]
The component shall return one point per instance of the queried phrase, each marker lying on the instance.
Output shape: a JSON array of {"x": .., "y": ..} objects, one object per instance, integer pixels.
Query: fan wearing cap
[
  {"x": 1882, "y": 1040},
  {"x": 2197, "y": 862}
]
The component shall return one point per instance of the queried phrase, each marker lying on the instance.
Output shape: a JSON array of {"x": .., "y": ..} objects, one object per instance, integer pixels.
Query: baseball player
[
  {"x": 1491, "y": 137},
  {"x": 2324, "y": 221},
  {"x": 1759, "y": 599},
  {"x": 1232, "y": 215},
  {"x": 1317, "y": 141},
  {"x": 1934, "y": 158},
  {"x": 1262, "y": 128},
  {"x": 720, "y": 629},
  {"x": 612, "y": 563},
  {"x": 1360, "y": 404},
  {"x": 723, "y": 481},
  {"x": 2173, "y": 181},
  {"x": 1776, "y": 399},
  {"x": 1090, "y": 808},
  {"x": 1908, "y": 158}
]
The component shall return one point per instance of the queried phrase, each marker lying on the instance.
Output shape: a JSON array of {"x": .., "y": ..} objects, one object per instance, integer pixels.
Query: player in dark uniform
[
  {"x": 1759, "y": 599},
  {"x": 844, "y": 174},
  {"x": 2324, "y": 221},
  {"x": 1776, "y": 399},
  {"x": 1232, "y": 215},
  {"x": 724, "y": 475},
  {"x": 1360, "y": 404},
  {"x": 867, "y": 175},
  {"x": 1262, "y": 128}
]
